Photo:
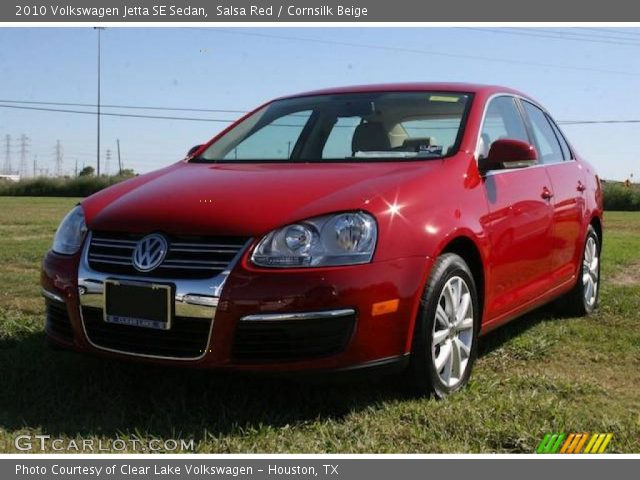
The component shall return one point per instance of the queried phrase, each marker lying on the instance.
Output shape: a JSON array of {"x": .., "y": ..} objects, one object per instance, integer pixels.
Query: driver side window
[{"x": 502, "y": 120}]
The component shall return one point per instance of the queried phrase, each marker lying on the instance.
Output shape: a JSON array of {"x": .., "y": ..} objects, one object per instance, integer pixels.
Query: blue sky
[{"x": 594, "y": 77}]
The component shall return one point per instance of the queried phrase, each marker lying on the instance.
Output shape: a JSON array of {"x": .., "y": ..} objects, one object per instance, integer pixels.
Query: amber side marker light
[{"x": 382, "y": 308}]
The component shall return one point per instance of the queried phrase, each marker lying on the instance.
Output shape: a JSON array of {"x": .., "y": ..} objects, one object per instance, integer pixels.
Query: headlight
[
  {"x": 340, "y": 239},
  {"x": 70, "y": 233}
]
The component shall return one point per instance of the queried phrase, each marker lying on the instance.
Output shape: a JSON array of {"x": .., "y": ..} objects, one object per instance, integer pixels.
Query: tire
[
  {"x": 445, "y": 346},
  {"x": 583, "y": 297}
]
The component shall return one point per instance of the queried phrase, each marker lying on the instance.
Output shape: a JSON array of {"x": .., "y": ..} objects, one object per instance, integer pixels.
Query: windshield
[{"x": 347, "y": 127}]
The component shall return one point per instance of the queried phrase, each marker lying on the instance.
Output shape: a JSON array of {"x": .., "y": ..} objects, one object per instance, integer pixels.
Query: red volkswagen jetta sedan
[{"x": 371, "y": 226}]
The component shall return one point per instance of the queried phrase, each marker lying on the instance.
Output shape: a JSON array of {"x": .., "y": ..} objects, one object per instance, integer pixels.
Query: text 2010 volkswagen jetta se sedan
[{"x": 383, "y": 225}]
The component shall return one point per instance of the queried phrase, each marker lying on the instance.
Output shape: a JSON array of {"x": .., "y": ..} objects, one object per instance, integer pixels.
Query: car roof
[{"x": 413, "y": 87}]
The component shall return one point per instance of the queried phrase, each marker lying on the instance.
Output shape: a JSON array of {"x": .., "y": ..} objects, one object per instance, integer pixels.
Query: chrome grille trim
[
  {"x": 108, "y": 257},
  {"x": 204, "y": 246},
  {"x": 202, "y": 250},
  {"x": 199, "y": 262},
  {"x": 194, "y": 298},
  {"x": 108, "y": 242},
  {"x": 209, "y": 255},
  {"x": 110, "y": 262}
]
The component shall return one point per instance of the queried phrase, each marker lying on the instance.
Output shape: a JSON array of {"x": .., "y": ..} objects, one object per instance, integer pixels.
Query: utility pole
[
  {"x": 119, "y": 159},
  {"x": 24, "y": 150},
  {"x": 99, "y": 29},
  {"x": 35, "y": 165},
  {"x": 7, "y": 154},
  {"x": 58, "y": 159},
  {"x": 75, "y": 172},
  {"x": 107, "y": 166}
]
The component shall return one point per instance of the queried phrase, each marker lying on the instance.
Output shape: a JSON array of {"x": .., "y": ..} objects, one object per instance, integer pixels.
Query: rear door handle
[
  {"x": 581, "y": 187},
  {"x": 546, "y": 193}
]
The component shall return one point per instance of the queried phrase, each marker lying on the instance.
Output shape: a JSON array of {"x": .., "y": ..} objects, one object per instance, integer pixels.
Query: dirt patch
[
  {"x": 628, "y": 276},
  {"x": 600, "y": 376}
]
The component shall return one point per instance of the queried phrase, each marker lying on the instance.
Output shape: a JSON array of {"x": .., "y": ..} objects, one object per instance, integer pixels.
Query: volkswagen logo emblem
[{"x": 150, "y": 252}]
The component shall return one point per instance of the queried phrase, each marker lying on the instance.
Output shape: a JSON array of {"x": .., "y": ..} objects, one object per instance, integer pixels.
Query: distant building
[{"x": 9, "y": 178}]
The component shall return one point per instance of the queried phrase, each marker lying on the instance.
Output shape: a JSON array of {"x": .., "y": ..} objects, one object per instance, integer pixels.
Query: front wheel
[{"x": 445, "y": 338}]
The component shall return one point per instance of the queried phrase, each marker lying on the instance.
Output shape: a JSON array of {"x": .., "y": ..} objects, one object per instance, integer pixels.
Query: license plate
[{"x": 138, "y": 304}]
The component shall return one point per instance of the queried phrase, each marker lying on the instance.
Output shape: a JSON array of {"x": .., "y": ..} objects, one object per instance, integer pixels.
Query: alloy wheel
[
  {"x": 590, "y": 272},
  {"x": 452, "y": 335}
]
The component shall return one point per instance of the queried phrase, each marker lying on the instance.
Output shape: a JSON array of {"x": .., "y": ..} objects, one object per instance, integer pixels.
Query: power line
[
  {"x": 417, "y": 51},
  {"x": 220, "y": 120},
  {"x": 578, "y": 33},
  {"x": 594, "y": 122},
  {"x": 111, "y": 114},
  {"x": 134, "y": 107},
  {"x": 552, "y": 35},
  {"x": 621, "y": 31}
]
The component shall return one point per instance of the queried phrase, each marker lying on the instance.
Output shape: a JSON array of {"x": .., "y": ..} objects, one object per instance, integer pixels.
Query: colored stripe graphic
[
  {"x": 598, "y": 443},
  {"x": 574, "y": 443},
  {"x": 578, "y": 448},
  {"x": 571, "y": 442},
  {"x": 606, "y": 442},
  {"x": 550, "y": 443},
  {"x": 592, "y": 440}
]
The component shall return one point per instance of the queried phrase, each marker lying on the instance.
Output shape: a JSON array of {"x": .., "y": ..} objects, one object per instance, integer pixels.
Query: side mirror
[
  {"x": 508, "y": 153},
  {"x": 193, "y": 150}
]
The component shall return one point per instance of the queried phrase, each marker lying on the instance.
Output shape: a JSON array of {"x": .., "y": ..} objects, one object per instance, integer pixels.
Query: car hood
[{"x": 243, "y": 199}]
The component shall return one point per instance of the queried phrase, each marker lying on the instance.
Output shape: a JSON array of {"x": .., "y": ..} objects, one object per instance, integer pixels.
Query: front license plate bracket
[{"x": 138, "y": 304}]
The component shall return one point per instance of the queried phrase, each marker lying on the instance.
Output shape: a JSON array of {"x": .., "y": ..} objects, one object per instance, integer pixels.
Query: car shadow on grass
[
  {"x": 499, "y": 337},
  {"x": 64, "y": 393}
]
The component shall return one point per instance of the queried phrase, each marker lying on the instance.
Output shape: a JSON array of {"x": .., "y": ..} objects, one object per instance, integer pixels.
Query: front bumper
[{"x": 244, "y": 303}]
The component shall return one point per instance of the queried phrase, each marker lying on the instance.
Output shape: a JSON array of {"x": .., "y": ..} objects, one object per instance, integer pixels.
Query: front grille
[
  {"x": 292, "y": 339},
  {"x": 187, "y": 257},
  {"x": 57, "y": 320},
  {"x": 187, "y": 338}
]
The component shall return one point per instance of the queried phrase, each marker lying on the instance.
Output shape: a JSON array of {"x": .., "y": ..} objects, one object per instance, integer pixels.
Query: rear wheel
[
  {"x": 445, "y": 339},
  {"x": 583, "y": 298}
]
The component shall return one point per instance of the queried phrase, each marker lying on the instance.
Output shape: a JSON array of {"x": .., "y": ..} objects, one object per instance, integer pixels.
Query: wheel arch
[
  {"x": 464, "y": 245},
  {"x": 596, "y": 223},
  {"x": 468, "y": 250}
]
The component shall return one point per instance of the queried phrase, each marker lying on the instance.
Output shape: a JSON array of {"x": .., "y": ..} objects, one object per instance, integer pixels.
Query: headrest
[{"x": 370, "y": 137}]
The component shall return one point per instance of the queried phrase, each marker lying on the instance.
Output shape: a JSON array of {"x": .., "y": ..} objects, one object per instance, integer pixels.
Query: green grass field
[{"x": 537, "y": 375}]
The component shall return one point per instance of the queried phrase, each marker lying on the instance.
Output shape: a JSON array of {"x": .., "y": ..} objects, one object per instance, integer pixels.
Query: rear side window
[
  {"x": 502, "y": 120},
  {"x": 566, "y": 151},
  {"x": 545, "y": 138}
]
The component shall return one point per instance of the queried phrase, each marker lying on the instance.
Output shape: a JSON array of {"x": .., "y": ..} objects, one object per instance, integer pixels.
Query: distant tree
[
  {"x": 87, "y": 172},
  {"x": 127, "y": 172}
]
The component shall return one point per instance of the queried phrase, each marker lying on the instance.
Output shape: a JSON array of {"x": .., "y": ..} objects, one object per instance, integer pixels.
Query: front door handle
[{"x": 546, "y": 193}]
